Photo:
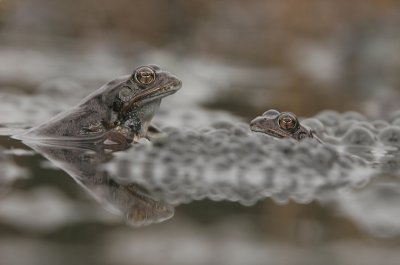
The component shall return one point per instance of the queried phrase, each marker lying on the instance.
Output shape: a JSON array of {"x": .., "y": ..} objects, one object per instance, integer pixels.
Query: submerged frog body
[
  {"x": 281, "y": 125},
  {"x": 120, "y": 111}
]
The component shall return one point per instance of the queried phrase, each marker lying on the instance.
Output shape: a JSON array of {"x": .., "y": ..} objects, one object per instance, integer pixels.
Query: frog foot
[
  {"x": 116, "y": 141},
  {"x": 155, "y": 134}
]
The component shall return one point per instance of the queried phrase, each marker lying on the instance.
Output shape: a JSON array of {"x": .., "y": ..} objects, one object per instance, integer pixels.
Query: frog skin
[
  {"x": 119, "y": 111},
  {"x": 282, "y": 125}
]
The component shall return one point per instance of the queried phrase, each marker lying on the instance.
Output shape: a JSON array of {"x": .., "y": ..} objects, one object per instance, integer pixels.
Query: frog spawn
[
  {"x": 376, "y": 141},
  {"x": 226, "y": 161}
]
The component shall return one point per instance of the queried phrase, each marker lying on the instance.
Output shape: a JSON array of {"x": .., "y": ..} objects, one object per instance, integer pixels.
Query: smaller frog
[
  {"x": 120, "y": 111},
  {"x": 282, "y": 125}
]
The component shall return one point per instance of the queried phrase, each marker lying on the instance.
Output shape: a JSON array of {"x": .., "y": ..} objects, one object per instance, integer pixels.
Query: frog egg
[
  {"x": 359, "y": 136},
  {"x": 222, "y": 125},
  {"x": 343, "y": 127},
  {"x": 240, "y": 131},
  {"x": 352, "y": 115},
  {"x": 381, "y": 124},
  {"x": 206, "y": 129},
  {"x": 366, "y": 125},
  {"x": 325, "y": 159},
  {"x": 332, "y": 140},
  {"x": 328, "y": 117},
  {"x": 390, "y": 136},
  {"x": 243, "y": 126},
  {"x": 346, "y": 125},
  {"x": 219, "y": 135},
  {"x": 315, "y": 125}
]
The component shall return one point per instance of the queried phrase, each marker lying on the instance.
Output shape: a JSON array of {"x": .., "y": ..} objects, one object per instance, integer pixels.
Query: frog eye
[
  {"x": 287, "y": 121},
  {"x": 125, "y": 94},
  {"x": 145, "y": 75}
]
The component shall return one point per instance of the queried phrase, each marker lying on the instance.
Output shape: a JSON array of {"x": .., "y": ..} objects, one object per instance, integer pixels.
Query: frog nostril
[
  {"x": 257, "y": 122},
  {"x": 302, "y": 135},
  {"x": 253, "y": 122}
]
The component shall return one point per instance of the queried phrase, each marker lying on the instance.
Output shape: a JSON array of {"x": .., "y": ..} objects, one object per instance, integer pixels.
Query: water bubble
[{"x": 390, "y": 136}]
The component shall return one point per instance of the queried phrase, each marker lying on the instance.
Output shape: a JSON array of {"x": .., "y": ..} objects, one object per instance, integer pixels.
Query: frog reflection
[
  {"x": 282, "y": 125},
  {"x": 127, "y": 199},
  {"x": 119, "y": 111}
]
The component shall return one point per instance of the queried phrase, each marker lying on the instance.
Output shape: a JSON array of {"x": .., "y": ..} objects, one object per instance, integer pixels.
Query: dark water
[{"x": 63, "y": 204}]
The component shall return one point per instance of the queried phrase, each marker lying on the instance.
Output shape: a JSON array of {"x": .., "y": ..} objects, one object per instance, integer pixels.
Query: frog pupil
[
  {"x": 145, "y": 76},
  {"x": 287, "y": 122}
]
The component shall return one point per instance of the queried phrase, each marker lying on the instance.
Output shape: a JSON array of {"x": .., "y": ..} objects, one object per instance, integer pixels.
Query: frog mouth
[
  {"x": 153, "y": 94},
  {"x": 269, "y": 132},
  {"x": 267, "y": 126}
]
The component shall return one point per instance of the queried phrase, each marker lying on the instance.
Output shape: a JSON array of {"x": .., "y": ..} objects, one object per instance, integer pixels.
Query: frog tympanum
[
  {"x": 119, "y": 111},
  {"x": 281, "y": 125}
]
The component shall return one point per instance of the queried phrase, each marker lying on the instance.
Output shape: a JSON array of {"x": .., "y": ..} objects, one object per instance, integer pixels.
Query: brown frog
[
  {"x": 282, "y": 125},
  {"x": 119, "y": 111}
]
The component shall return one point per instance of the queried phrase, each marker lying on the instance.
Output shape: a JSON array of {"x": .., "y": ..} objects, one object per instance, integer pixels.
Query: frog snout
[
  {"x": 258, "y": 123},
  {"x": 176, "y": 82}
]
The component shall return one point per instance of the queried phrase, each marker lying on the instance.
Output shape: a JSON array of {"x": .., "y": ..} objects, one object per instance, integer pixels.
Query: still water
[{"x": 209, "y": 191}]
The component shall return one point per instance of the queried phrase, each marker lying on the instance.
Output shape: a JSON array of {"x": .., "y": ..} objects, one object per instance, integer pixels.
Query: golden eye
[
  {"x": 287, "y": 121},
  {"x": 145, "y": 75}
]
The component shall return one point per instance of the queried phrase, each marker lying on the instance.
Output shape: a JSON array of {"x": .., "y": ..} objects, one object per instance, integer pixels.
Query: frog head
[
  {"x": 133, "y": 101},
  {"x": 281, "y": 125}
]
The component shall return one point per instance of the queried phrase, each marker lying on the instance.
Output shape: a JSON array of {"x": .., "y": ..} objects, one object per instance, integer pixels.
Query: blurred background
[
  {"x": 236, "y": 59},
  {"x": 302, "y": 56}
]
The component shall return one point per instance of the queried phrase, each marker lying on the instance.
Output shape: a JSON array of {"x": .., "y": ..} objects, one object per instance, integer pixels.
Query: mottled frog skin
[
  {"x": 281, "y": 125},
  {"x": 120, "y": 111}
]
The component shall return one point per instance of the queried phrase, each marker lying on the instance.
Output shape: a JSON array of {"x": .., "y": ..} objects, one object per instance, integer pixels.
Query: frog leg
[
  {"x": 153, "y": 129},
  {"x": 154, "y": 133}
]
